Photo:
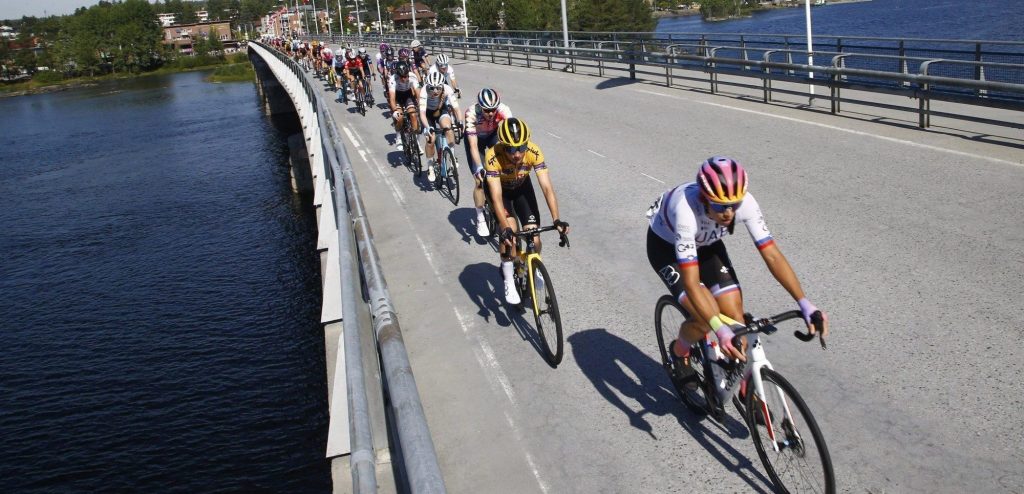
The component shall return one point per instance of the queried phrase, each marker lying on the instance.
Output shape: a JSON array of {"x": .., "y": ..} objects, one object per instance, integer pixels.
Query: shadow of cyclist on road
[
  {"x": 483, "y": 284},
  {"x": 602, "y": 356},
  {"x": 464, "y": 221}
]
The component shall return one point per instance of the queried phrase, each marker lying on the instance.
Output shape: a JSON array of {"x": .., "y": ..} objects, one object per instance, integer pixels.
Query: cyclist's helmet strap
[
  {"x": 513, "y": 132},
  {"x": 722, "y": 180}
]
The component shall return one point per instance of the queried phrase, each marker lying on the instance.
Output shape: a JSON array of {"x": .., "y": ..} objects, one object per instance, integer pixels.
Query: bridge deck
[{"x": 909, "y": 239}]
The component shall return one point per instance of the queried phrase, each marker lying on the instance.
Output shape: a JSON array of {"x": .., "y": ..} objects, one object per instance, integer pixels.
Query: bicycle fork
[{"x": 758, "y": 360}]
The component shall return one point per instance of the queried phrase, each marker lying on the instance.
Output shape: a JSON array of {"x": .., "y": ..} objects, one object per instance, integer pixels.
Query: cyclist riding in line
[
  {"x": 482, "y": 121},
  {"x": 685, "y": 249},
  {"x": 508, "y": 165},
  {"x": 328, "y": 58},
  {"x": 385, "y": 65},
  {"x": 441, "y": 66},
  {"x": 403, "y": 95},
  {"x": 419, "y": 57},
  {"x": 368, "y": 71},
  {"x": 434, "y": 109},
  {"x": 315, "y": 53},
  {"x": 353, "y": 72}
]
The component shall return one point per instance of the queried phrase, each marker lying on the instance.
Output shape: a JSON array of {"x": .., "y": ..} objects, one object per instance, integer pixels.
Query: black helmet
[{"x": 402, "y": 68}]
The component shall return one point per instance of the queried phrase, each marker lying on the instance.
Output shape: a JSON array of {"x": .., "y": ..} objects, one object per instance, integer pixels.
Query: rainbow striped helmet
[{"x": 722, "y": 180}]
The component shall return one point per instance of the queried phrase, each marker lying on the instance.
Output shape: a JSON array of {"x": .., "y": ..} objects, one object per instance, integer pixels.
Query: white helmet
[
  {"x": 362, "y": 51},
  {"x": 415, "y": 43},
  {"x": 435, "y": 79},
  {"x": 339, "y": 53},
  {"x": 441, "y": 60}
]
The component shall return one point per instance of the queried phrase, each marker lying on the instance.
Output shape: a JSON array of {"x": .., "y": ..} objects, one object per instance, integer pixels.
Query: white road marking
[
  {"x": 552, "y": 135},
  {"x": 650, "y": 177},
  {"x": 596, "y": 153},
  {"x": 376, "y": 170},
  {"x": 841, "y": 129},
  {"x": 529, "y": 458}
]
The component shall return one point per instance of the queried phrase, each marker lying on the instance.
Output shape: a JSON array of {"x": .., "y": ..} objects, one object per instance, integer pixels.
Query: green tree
[
  {"x": 484, "y": 14},
  {"x": 446, "y": 18}
]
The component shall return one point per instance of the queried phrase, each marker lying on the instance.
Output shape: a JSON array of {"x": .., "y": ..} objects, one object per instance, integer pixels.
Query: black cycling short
[
  {"x": 404, "y": 99},
  {"x": 432, "y": 120},
  {"x": 355, "y": 73},
  {"x": 716, "y": 271},
  {"x": 521, "y": 203}
]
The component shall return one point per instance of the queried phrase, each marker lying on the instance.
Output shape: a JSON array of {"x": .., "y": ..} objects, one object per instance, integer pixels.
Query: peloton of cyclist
[
  {"x": 482, "y": 121},
  {"x": 685, "y": 249},
  {"x": 385, "y": 65},
  {"x": 403, "y": 94},
  {"x": 508, "y": 165},
  {"x": 434, "y": 104}
]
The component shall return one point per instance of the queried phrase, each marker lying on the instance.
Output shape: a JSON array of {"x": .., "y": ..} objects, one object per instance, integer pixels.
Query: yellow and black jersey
[{"x": 498, "y": 164}]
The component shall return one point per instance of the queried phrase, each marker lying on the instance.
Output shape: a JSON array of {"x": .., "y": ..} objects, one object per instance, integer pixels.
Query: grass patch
[{"x": 236, "y": 72}]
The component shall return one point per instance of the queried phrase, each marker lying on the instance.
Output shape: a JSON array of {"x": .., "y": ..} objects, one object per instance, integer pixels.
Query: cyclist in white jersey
[
  {"x": 685, "y": 248},
  {"x": 441, "y": 65},
  {"x": 434, "y": 103}
]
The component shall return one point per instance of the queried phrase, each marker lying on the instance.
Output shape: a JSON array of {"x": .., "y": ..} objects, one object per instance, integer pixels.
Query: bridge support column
[{"x": 302, "y": 179}]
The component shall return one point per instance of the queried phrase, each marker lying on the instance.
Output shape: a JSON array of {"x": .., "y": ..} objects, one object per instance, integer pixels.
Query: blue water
[
  {"x": 943, "y": 19},
  {"x": 160, "y": 295}
]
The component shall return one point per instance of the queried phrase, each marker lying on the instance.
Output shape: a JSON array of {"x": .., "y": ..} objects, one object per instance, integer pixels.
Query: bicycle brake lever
[{"x": 564, "y": 241}]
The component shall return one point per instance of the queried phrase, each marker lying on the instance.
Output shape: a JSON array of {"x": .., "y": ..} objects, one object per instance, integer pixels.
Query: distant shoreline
[{"x": 660, "y": 14}]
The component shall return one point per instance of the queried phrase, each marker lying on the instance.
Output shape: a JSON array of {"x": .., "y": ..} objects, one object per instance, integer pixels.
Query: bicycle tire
[
  {"x": 451, "y": 178},
  {"x": 795, "y": 449},
  {"x": 545, "y": 304},
  {"x": 414, "y": 147},
  {"x": 668, "y": 316},
  {"x": 489, "y": 217}
]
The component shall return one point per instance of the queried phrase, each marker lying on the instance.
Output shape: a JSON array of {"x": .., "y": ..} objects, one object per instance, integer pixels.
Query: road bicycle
[
  {"x": 458, "y": 129},
  {"x": 447, "y": 166},
  {"x": 332, "y": 79},
  {"x": 786, "y": 436},
  {"x": 360, "y": 96},
  {"x": 533, "y": 283},
  {"x": 410, "y": 145}
]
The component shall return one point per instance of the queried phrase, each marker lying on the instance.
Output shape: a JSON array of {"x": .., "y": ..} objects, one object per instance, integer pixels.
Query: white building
[
  {"x": 203, "y": 16},
  {"x": 167, "y": 19},
  {"x": 8, "y": 32}
]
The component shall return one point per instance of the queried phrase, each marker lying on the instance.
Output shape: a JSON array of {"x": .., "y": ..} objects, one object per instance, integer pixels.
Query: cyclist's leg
[
  {"x": 662, "y": 257},
  {"x": 429, "y": 139},
  {"x": 527, "y": 210},
  {"x": 446, "y": 126}
]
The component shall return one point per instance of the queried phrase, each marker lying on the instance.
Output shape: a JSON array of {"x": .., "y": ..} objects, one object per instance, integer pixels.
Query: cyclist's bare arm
[
  {"x": 549, "y": 195},
  {"x": 784, "y": 274}
]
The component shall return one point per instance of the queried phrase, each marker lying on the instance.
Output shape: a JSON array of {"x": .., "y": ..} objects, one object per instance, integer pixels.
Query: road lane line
[
  {"x": 376, "y": 170},
  {"x": 552, "y": 135},
  {"x": 650, "y": 177},
  {"x": 529, "y": 458},
  {"x": 596, "y": 153},
  {"x": 841, "y": 129}
]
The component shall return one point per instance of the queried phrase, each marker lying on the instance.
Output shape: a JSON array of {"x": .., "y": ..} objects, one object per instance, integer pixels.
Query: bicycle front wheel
[
  {"x": 545, "y": 312},
  {"x": 787, "y": 437},
  {"x": 452, "y": 175}
]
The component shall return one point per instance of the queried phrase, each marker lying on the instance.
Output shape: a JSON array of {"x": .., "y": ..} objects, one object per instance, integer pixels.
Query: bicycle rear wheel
[
  {"x": 451, "y": 179},
  {"x": 668, "y": 316},
  {"x": 545, "y": 313},
  {"x": 802, "y": 462},
  {"x": 414, "y": 153}
]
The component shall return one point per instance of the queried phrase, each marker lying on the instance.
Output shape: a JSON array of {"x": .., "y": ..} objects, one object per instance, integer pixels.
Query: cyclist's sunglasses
[
  {"x": 492, "y": 110},
  {"x": 721, "y": 208},
  {"x": 435, "y": 88},
  {"x": 516, "y": 149}
]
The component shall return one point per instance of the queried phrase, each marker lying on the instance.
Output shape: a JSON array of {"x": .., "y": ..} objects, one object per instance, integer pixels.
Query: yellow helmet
[{"x": 513, "y": 132}]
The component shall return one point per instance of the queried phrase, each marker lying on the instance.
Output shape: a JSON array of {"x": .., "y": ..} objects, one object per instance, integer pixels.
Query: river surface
[
  {"x": 943, "y": 19},
  {"x": 160, "y": 295}
]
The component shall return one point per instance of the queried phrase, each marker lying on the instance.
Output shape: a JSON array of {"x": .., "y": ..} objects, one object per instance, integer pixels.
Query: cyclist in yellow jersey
[{"x": 507, "y": 166}]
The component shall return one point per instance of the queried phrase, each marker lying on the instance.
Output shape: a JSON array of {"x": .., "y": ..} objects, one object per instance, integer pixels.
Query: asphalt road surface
[{"x": 909, "y": 240}]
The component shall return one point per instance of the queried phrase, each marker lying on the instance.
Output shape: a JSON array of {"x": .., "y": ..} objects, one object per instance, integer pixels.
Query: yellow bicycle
[{"x": 533, "y": 282}]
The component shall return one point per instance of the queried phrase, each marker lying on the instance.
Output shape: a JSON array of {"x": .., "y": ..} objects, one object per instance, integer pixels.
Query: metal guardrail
[
  {"x": 420, "y": 458},
  {"x": 973, "y": 82}
]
